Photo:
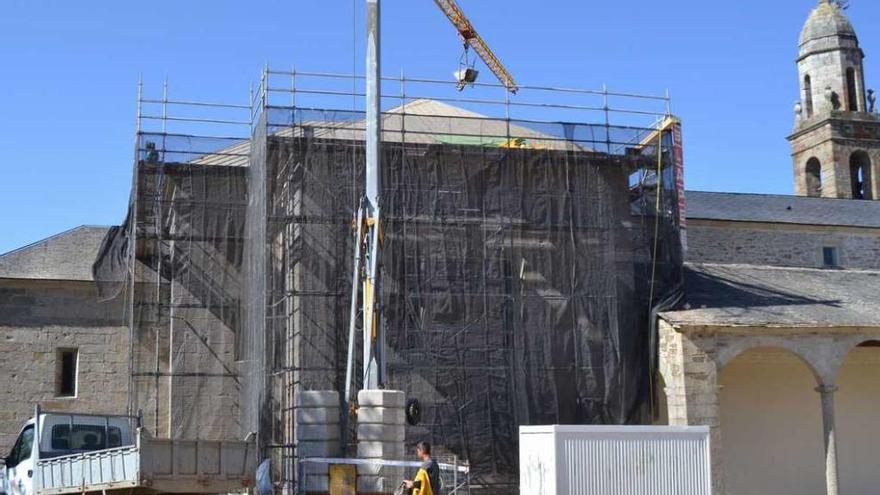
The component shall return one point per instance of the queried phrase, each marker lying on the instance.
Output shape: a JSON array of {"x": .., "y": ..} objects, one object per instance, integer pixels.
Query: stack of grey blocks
[
  {"x": 381, "y": 434},
  {"x": 316, "y": 429}
]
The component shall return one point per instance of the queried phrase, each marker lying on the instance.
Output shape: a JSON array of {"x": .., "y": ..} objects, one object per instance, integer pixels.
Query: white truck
[{"x": 67, "y": 453}]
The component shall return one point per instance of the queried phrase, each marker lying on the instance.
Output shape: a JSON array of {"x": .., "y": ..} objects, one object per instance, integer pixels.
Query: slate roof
[
  {"x": 782, "y": 209},
  {"x": 65, "y": 256},
  {"x": 752, "y": 295}
]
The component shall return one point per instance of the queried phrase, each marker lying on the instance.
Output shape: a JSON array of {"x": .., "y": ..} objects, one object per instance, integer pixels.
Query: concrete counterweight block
[
  {"x": 316, "y": 398},
  {"x": 381, "y": 432},
  {"x": 317, "y": 416},
  {"x": 392, "y": 451},
  {"x": 382, "y": 398},
  {"x": 381, "y": 415},
  {"x": 317, "y": 434}
]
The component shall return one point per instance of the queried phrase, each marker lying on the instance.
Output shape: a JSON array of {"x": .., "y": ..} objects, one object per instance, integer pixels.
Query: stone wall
[
  {"x": 37, "y": 318},
  {"x": 780, "y": 244},
  {"x": 833, "y": 143}
]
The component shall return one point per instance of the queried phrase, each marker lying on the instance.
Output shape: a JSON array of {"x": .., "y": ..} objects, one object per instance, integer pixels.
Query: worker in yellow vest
[{"x": 427, "y": 480}]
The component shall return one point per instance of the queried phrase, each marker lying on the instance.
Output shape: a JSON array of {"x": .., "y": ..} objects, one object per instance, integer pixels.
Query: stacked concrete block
[
  {"x": 316, "y": 429},
  {"x": 380, "y": 434}
]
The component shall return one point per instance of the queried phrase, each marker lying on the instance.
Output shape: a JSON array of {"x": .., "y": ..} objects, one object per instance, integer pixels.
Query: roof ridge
[
  {"x": 792, "y": 196},
  {"x": 51, "y": 237}
]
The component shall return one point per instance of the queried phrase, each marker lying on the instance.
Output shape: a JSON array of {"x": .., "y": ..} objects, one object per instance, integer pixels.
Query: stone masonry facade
[
  {"x": 38, "y": 318},
  {"x": 781, "y": 244},
  {"x": 833, "y": 142}
]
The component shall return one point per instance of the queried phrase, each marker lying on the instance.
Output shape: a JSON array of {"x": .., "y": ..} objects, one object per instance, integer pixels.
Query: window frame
[
  {"x": 808, "y": 95},
  {"x": 834, "y": 253},
  {"x": 852, "y": 91},
  {"x": 61, "y": 378}
]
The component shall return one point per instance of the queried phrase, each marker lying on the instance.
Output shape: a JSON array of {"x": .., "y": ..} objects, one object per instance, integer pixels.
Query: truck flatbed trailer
[
  {"x": 75, "y": 453},
  {"x": 151, "y": 466}
]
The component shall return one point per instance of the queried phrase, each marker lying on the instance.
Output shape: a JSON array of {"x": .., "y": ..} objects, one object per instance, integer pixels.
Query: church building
[{"x": 776, "y": 344}]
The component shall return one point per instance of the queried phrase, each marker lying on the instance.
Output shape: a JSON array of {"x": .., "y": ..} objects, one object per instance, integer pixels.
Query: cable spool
[{"x": 413, "y": 412}]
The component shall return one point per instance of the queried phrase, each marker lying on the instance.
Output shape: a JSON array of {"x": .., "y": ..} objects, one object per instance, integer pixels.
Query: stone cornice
[{"x": 771, "y": 329}]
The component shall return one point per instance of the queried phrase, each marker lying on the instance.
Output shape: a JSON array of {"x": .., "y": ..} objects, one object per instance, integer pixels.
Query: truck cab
[{"x": 50, "y": 435}]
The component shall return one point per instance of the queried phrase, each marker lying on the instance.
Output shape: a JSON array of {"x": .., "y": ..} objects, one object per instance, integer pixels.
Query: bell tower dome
[{"x": 836, "y": 140}]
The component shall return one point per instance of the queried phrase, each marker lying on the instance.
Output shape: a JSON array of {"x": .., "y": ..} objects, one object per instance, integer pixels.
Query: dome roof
[{"x": 827, "y": 21}]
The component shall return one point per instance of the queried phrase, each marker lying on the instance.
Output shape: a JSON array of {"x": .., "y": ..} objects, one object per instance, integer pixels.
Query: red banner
[{"x": 678, "y": 157}]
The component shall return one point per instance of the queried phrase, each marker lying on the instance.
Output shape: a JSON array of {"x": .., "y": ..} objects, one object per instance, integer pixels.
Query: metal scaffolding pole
[{"x": 373, "y": 338}]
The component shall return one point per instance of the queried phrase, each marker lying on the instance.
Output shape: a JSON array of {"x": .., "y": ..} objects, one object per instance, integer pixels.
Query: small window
[
  {"x": 66, "y": 369},
  {"x": 814, "y": 177},
  {"x": 808, "y": 96},
  {"x": 852, "y": 100},
  {"x": 830, "y": 257}
]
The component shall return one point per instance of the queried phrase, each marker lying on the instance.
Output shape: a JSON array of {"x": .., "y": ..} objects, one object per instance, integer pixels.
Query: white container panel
[{"x": 599, "y": 460}]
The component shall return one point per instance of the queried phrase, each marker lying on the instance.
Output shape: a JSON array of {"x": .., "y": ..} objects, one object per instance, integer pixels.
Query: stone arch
[
  {"x": 856, "y": 403},
  {"x": 741, "y": 346},
  {"x": 808, "y": 95},
  {"x": 862, "y": 341},
  {"x": 768, "y": 397},
  {"x": 813, "y": 174},
  {"x": 860, "y": 174}
]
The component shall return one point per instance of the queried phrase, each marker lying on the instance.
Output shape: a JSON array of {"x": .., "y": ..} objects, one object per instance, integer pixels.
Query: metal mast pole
[{"x": 373, "y": 362}]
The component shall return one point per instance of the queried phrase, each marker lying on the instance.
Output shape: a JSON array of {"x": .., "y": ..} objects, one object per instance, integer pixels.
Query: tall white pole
[{"x": 373, "y": 374}]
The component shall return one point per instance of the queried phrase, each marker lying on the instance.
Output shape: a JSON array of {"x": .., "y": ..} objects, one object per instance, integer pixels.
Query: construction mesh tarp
[
  {"x": 519, "y": 265},
  {"x": 177, "y": 259}
]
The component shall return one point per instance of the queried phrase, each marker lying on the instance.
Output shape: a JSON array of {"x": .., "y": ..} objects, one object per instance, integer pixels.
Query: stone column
[
  {"x": 693, "y": 396},
  {"x": 316, "y": 430},
  {"x": 831, "y": 475},
  {"x": 380, "y": 436}
]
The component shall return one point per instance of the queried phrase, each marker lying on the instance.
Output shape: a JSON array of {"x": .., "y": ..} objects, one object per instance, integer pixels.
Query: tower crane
[{"x": 472, "y": 39}]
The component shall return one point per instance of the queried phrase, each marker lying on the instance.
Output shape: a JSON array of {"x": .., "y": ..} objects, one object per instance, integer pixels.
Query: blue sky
[{"x": 69, "y": 74}]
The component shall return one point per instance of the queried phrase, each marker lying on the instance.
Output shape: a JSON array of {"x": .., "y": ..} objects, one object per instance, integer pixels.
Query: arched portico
[{"x": 693, "y": 358}]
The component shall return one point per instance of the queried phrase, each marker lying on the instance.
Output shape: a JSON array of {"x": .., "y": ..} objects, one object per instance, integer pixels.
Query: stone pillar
[
  {"x": 693, "y": 395},
  {"x": 831, "y": 474},
  {"x": 380, "y": 435},
  {"x": 316, "y": 430}
]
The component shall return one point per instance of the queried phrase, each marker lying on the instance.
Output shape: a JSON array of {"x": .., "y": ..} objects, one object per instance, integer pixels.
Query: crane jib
[{"x": 471, "y": 38}]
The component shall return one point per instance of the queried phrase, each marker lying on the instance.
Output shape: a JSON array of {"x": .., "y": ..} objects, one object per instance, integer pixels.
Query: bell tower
[{"x": 836, "y": 139}]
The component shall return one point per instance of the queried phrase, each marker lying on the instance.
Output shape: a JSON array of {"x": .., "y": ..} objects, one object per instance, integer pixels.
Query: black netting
[
  {"x": 521, "y": 260},
  {"x": 517, "y": 273}
]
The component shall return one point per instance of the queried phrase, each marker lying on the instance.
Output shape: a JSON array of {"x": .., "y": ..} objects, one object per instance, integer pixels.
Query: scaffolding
[{"x": 526, "y": 241}]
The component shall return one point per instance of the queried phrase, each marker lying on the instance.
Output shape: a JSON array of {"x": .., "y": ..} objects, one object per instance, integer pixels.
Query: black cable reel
[{"x": 413, "y": 412}]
